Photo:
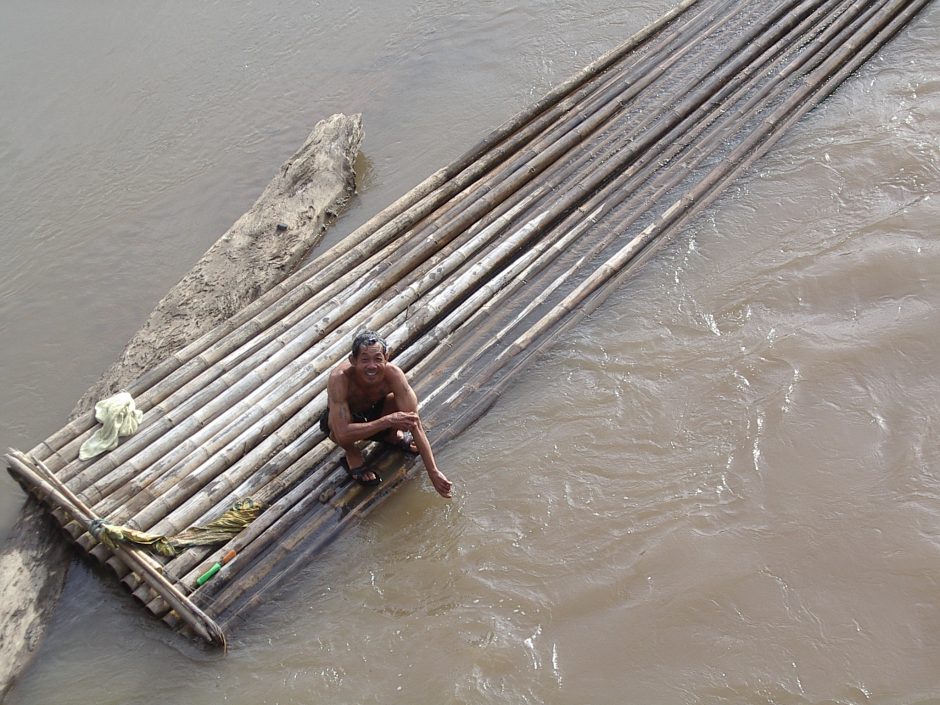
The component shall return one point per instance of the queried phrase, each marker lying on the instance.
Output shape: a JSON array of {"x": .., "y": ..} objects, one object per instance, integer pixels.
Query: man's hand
[
  {"x": 441, "y": 484},
  {"x": 402, "y": 420}
]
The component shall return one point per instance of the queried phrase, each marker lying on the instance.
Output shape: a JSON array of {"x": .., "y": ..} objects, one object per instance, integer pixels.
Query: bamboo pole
[{"x": 637, "y": 149}]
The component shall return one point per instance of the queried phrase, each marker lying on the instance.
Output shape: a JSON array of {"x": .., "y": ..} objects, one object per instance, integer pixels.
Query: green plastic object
[{"x": 204, "y": 578}]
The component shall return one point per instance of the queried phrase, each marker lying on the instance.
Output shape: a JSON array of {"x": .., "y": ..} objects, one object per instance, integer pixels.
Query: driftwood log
[{"x": 258, "y": 252}]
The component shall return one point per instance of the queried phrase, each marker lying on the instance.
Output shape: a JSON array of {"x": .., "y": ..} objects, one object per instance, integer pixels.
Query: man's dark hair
[{"x": 366, "y": 338}]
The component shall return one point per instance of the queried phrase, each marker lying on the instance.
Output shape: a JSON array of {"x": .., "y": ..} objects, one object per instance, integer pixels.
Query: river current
[{"x": 722, "y": 487}]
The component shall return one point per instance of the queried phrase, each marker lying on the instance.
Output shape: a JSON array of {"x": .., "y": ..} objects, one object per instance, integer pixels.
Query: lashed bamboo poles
[
  {"x": 476, "y": 156},
  {"x": 302, "y": 526}
]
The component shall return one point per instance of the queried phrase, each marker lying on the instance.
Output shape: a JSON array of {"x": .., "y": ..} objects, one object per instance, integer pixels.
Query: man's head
[
  {"x": 367, "y": 338},
  {"x": 368, "y": 357}
]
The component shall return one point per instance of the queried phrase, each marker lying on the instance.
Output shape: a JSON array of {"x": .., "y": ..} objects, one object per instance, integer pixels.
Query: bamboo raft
[{"x": 467, "y": 276}]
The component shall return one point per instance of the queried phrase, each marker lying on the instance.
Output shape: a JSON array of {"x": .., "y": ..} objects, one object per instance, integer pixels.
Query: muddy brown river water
[{"x": 723, "y": 487}]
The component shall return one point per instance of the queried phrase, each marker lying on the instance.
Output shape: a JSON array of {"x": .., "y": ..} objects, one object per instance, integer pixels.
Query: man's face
[{"x": 369, "y": 363}]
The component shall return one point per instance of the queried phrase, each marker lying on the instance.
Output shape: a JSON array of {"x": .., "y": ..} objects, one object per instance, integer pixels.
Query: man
[{"x": 370, "y": 399}]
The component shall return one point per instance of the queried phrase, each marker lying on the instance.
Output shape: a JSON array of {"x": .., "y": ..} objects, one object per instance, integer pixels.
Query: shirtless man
[{"x": 369, "y": 398}]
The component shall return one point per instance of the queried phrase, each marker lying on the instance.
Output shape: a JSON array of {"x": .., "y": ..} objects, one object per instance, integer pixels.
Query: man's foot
[{"x": 363, "y": 474}]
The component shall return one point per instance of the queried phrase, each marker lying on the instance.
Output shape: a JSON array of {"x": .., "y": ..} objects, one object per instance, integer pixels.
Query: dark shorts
[{"x": 370, "y": 414}]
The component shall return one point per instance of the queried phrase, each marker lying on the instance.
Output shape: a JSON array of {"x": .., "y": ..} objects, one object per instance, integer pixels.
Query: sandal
[{"x": 357, "y": 474}]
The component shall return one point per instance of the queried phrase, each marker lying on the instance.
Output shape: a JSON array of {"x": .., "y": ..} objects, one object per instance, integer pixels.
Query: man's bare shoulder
[
  {"x": 339, "y": 378},
  {"x": 341, "y": 369},
  {"x": 395, "y": 376}
]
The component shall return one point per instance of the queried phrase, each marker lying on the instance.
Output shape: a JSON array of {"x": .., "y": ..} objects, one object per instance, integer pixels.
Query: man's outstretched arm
[{"x": 407, "y": 401}]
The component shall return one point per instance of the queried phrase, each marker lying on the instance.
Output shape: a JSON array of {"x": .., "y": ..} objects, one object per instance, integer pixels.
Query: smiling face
[{"x": 369, "y": 364}]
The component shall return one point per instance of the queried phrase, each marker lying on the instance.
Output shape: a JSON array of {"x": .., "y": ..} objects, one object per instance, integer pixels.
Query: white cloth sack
[{"x": 118, "y": 417}]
